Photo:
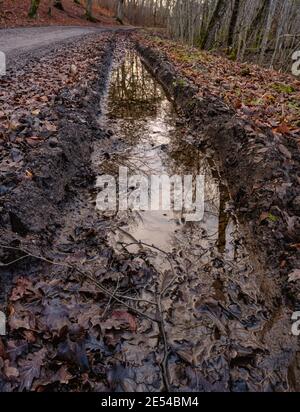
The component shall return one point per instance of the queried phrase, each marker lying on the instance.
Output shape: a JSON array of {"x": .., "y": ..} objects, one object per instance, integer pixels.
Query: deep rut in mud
[
  {"x": 194, "y": 315},
  {"x": 202, "y": 285}
]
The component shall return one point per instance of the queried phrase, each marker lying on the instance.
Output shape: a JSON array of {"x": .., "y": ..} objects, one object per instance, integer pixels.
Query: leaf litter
[{"x": 90, "y": 318}]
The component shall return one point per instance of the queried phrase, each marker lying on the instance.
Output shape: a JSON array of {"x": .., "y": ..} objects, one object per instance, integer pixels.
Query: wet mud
[
  {"x": 211, "y": 289},
  {"x": 146, "y": 300}
]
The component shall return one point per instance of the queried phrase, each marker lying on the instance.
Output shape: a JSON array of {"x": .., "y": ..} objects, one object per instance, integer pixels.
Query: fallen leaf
[
  {"x": 55, "y": 317},
  {"x": 74, "y": 353},
  {"x": 294, "y": 275},
  {"x": 21, "y": 318},
  {"x": 30, "y": 368},
  {"x": 28, "y": 174},
  {"x": 10, "y": 371},
  {"x": 50, "y": 127},
  {"x": 120, "y": 315},
  {"x": 16, "y": 349},
  {"x": 285, "y": 151},
  {"x": 22, "y": 288}
]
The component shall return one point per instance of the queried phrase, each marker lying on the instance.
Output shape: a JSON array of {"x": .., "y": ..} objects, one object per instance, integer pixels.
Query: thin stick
[
  {"x": 160, "y": 250},
  {"x": 110, "y": 299},
  {"x": 84, "y": 275}
]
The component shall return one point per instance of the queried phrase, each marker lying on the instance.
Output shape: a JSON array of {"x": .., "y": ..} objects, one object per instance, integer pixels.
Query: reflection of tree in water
[
  {"x": 189, "y": 160},
  {"x": 133, "y": 92},
  {"x": 137, "y": 103}
]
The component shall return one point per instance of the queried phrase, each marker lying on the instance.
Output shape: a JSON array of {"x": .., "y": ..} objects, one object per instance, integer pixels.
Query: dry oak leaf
[
  {"x": 127, "y": 317},
  {"x": 9, "y": 371},
  {"x": 30, "y": 368},
  {"x": 294, "y": 275},
  {"x": 21, "y": 318},
  {"x": 23, "y": 287}
]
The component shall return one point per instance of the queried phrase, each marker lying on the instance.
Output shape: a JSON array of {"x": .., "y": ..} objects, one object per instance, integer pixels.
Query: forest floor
[
  {"x": 15, "y": 14},
  {"x": 91, "y": 304}
]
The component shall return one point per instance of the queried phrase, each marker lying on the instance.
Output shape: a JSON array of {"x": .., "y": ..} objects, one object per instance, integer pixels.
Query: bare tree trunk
[
  {"x": 210, "y": 33},
  {"x": 232, "y": 24},
  {"x": 89, "y": 10},
  {"x": 120, "y": 11},
  {"x": 256, "y": 23},
  {"x": 33, "y": 8},
  {"x": 245, "y": 27},
  {"x": 267, "y": 30}
]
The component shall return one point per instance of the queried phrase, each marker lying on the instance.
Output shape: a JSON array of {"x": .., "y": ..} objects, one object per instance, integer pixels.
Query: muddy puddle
[
  {"x": 150, "y": 299},
  {"x": 152, "y": 141},
  {"x": 195, "y": 277}
]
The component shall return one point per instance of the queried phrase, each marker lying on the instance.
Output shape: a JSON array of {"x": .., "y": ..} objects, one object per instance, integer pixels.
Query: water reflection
[
  {"x": 143, "y": 118},
  {"x": 200, "y": 270}
]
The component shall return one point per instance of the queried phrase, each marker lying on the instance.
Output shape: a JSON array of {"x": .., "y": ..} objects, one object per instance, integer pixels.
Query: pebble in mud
[{"x": 53, "y": 142}]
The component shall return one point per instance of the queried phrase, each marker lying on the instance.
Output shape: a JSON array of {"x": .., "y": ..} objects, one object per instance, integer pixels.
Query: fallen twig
[{"x": 83, "y": 274}]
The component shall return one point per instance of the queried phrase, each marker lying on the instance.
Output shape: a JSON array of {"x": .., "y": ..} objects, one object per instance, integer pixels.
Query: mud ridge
[
  {"x": 263, "y": 173},
  {"x": 53, "y": 166}
]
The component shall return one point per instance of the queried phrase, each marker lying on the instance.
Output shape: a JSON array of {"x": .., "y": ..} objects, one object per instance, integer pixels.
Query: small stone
[
  {"x": 16, "y": 155},
  {"x": 73, "y": 69},
  {"x": 3, "y": 190},
  {"x": 53, "y": 142},
  {"x": 296, "y": 204}
]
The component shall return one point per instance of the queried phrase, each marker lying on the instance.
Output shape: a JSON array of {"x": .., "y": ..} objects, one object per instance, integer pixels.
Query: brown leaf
[
  {"x": 50, "y": 127},
  {"x": 127, "y": 317},
  {"x": 30, "y": 368},
  {"x": 29, "y": 336},
  {"x": 16, "y": 349},
  {"x": 44, "y": 99},
  {"x": 74, "y": 353},
  {"x": 283, "y": 129},
  {"x": 294, "y": 275},
  {"x": 264, "y": 216},
  {"x": 33, "y": 140},
  {"x": 22, "y": 288},
  {"x": 285, "y": 151},
  {"x": 28, "y": 175},
  {"x": 9, "y": 371},
  {"x": 55, "y": 317},
  {"x": 62, "y": 375},
  {"x": 21, "y": 318}
]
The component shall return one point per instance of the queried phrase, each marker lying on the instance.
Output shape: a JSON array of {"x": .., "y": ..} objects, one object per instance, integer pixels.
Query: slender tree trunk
[
  {"x": 256, "y": 23},
  {"x": 120, "y": 11},
  {"x": 232, "y": 24},
  {"x": 267, "y": 31},
  {"x": 33, "y": 8},
  {"x": 89, "y": 10},
  {"x": 209, "y": 35}
]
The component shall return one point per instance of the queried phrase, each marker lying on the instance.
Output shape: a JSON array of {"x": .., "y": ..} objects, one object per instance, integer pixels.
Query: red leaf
[{"x": 127, "y": 317}]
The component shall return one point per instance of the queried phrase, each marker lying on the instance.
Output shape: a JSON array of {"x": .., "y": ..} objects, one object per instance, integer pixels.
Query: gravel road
[{"x": 21, "y": 44}]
